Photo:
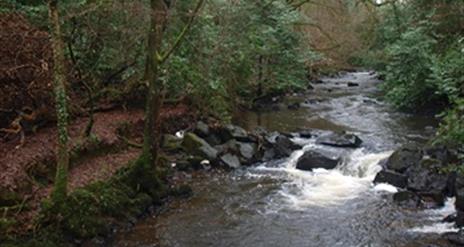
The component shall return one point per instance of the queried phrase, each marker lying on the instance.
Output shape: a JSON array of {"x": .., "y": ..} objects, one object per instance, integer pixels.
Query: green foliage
[
  {"x": 410, "y": 60},
  {"x": 236, "y": 52},
  {"x": 420, "y": 49}
]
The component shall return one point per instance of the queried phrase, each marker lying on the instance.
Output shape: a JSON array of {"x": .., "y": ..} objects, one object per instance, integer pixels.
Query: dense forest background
[{"x": 215, "y": 56}]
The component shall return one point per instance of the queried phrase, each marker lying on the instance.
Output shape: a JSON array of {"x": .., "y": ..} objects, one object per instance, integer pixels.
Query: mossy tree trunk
[
  {"x": 59, "y": 78},
  {"x": 156, "y": 58},
  {"x": 153, "y": 100}
]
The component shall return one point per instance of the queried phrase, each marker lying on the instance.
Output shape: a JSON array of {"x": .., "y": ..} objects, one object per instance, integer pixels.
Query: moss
[{"x": 88, "y": 212}]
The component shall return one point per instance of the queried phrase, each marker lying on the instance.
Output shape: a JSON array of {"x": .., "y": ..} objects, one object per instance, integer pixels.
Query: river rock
[
  {"x": 407, "y": 199},
  {"x": 460, "y": 218},
  {"x": 403, "y": 158},
  {"x": 171, "y": 142},
  {"x": 213, "y": 139},
  {"x": 234, "y": 132},
  {"x": 340, "y": 140},
  {"x": 228, "y": 147},
  {"x": 195, "y": 145},
  {"x": 284, "y": 147},
  {"x": 426, "y": 177},
  {"x": 306, "y": 134},
  {"x": 450, "y": 218},
  {"x": 459, "y": 189},
  {"x": 391, "y": 177},
  {"x": 202, "y": 129},
  {"x": 247, "y": 150},
  {"x": 456, "y": 237},
  {"x": 293, "y": 106},
  {"x": 230, "y": 160},
  {"x": 352, "y": 84},
  {"x": 269, "y": 154},
  {"x": 311, "y": 160}
]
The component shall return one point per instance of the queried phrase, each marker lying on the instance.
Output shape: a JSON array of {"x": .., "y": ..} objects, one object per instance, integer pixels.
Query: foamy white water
[
  {"x": 436, "y": 217},
  {"x": 322, "y": 187}
]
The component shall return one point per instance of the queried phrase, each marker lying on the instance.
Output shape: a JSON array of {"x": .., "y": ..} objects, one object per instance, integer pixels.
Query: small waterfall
[{"x": 322, "y": 187}]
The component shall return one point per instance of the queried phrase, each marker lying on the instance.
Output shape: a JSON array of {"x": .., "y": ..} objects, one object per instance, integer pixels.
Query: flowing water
[{"x": 274, "y": 204}]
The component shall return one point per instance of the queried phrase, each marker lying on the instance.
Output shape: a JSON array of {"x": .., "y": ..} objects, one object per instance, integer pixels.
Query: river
[{"x": 274, "y": 204}]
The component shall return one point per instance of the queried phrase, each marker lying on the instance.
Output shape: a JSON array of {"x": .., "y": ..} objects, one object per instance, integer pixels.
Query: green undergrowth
[{"x": 94, "y": 210}]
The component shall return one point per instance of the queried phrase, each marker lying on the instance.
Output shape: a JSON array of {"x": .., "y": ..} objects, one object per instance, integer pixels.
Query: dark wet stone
[
  {"x": 294, "y": 106},
  {"x": 340, "y": 140},
  {"x": 310, "y": 87},
  {"x": 460, "y": 218},
  {"x": 450, "y": 218},
  {"x": 433, "y": 199},
  {"x": 391, "y": 177},
  {"x": 269, "y": 154},
  {"x": 426, "y": 177},
  {"x": 312, "y": 160},
  {"x": 459, "y": 189},
  {"x": 407, "y": 199},
  {"x": 353, "y": 84},
  {"x": 213, "y": 139},
  {"x": 202, "y": 129},
  {"x": 403, "y": 158},
  {"x": 455, "y": 237},
  {"x": 231, "y": 161},
  {"x": 306, "y": 134},
  {"x": 284, "y": 146}
]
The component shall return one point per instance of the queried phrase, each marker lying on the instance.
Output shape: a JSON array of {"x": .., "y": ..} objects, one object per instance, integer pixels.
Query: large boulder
[
  {"x": 230, "y": 160},
  {"x": 195, "y": 145},
  {"x": 311, "y": 160},
  {"x": 426, "y": 177},
  {"x": 405, "y": 157},
  {"x": 391, "y": 177},
  {"x": 340, "y": 140},
  {"x": 284, "y": 147}
]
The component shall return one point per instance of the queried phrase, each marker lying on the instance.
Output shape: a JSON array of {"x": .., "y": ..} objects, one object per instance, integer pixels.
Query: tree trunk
[
  {"x": 155, "y": 58},
  {"x": 59, "y": 78},
  {"x": 154, "y": 98}
]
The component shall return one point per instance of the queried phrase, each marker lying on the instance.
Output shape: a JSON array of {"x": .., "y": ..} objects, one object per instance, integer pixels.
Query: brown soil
[{"x": 93, "y": 162}]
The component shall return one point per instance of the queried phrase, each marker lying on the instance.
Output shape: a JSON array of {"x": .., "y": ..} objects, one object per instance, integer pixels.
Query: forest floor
[{"x": 28, "y": 170}]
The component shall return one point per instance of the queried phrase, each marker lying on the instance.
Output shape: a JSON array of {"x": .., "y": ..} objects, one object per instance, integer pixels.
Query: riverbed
[{"x": 274, "y": 204}]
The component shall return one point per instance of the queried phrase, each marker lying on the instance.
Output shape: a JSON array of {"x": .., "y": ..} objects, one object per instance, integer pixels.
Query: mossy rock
[
  {"x": 171, "y": 143},
  {"x": 195, "y": 145}
]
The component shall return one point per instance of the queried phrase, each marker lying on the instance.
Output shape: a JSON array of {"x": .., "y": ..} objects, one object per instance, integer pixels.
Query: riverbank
[
  {"x": 274, "y": 203},
  {"x": 28, "y": 170},
  {"x": 317, "y": 160}
]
